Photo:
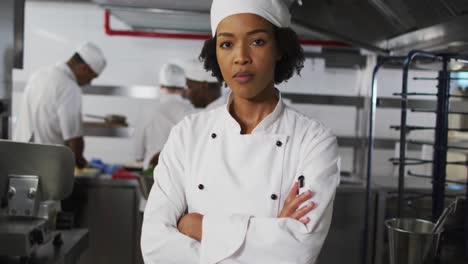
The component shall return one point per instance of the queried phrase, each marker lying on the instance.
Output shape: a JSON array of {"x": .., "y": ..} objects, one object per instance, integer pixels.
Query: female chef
[{"x": 227, "y": 183}]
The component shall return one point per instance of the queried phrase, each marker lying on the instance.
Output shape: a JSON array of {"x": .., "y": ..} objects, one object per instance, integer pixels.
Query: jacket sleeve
[
  {"x": 69, "y": 113},
  {"x": 249, "y": 239},
  {"x": 161, "y": 242}
]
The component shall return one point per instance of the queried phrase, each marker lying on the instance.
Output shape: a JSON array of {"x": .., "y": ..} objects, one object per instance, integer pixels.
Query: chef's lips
[{"x": 243, "y": 77}]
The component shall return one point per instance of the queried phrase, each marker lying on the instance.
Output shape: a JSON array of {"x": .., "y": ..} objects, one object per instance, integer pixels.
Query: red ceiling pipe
[
  {"x": 151, "y": 34},
  {"x": 154, "y": 34}
]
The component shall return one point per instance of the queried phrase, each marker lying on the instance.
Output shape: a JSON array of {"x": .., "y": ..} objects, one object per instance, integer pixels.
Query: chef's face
[
  {"x": 85, "y": 75},
  {"x": 247, "y": 53},
  {"x": 196, "y": 93}
]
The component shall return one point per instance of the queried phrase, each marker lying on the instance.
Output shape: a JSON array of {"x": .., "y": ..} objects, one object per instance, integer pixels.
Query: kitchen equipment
[
  {"x": 439, "y": 225},
  {"x": 411, "y": 240},
  {"x": 436, "y": 147},
  {"x": 34, "y": 178}
]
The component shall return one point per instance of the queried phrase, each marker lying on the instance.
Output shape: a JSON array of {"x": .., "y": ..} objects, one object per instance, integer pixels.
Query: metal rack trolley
[{"x": 440, "y": 143}]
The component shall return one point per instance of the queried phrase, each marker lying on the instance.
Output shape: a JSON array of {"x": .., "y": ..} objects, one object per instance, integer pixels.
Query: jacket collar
[{"x": 264, "y": 124}]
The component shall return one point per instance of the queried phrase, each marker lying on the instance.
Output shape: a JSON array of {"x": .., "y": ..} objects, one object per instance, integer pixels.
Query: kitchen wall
[{"x": 54, "y": 29}]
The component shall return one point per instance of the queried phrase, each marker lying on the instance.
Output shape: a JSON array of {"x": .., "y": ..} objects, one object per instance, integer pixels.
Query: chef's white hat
[
  {"x": 195, "y": 72},
  {"x": 274, "y": 11},
  {"x": 93, "y": 56},
  {"x": 172, "y": 75}
]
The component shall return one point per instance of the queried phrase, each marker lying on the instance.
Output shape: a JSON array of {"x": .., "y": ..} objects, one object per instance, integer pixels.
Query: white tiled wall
[{"x": 53, "y": 30}]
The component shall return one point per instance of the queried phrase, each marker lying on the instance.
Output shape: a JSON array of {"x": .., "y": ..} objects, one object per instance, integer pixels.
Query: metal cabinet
[{"x": 109, "y": 209}]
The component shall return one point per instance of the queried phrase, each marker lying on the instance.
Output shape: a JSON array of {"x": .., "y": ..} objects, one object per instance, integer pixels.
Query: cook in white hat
[
  {"x": 152, "y": 128},
  {"x": 203, "y": 89},
  {"x": 51, "y": 108},
  {"x": 172, "y": 75},
  {"x": 253, "y": 181},
  {"x": 93, "y": 57}
]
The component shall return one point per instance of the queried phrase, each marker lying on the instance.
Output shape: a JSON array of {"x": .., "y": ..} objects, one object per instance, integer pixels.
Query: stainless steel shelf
[
  {"x": 134, "y": 91},
  {"x": 150, "y": 92},
  {"x": 455, "y": 106},
  {"x": 298, "y": 98},
  {"x": 379, "y": 143}
]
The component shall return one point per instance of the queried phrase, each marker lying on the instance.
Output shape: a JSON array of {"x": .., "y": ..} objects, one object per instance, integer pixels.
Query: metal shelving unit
[
  {"x": 442, "y": 108},
  {"x": 441, "y": 128}
]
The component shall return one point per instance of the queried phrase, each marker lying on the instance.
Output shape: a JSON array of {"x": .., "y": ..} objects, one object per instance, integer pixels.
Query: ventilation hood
[
  {"x": 382, "y": 26},
  {"x": 177, "y": 16},
  {"x": 396, "y": 26}
]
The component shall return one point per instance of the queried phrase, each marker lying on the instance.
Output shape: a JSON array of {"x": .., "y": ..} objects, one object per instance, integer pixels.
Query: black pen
[{"x": 301, "y": 183}]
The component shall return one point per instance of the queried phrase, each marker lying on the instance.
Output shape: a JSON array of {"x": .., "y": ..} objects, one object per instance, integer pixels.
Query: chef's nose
[{"x": 242, "y": 55}]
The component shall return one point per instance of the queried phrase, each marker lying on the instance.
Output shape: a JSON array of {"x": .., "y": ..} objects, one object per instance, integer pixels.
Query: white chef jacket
[
  {"x": 153, "y": 130},
  {"x": 239, "y": 182},
  {"x": 51, "y": 107}
]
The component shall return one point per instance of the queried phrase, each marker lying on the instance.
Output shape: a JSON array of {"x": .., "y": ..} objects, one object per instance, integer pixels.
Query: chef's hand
[
  {"x": 81, "y": 162},
  {"x": 291, "y": 205},
  {"x": 191, "y": 225}
]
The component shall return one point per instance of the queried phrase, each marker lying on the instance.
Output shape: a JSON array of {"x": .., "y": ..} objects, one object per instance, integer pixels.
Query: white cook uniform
[
  {"x": 152, "y": 131},
  {"x": 50, "y": 110},
  {"x": 240, "y": 183}
]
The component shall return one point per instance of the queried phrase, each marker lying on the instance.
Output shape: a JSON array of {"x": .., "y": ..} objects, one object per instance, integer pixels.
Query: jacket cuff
[{"x": 222, "y": 236}]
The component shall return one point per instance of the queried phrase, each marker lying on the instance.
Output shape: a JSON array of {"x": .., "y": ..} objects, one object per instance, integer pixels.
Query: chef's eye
[
  {"x": 258, "y": 42},
  {"x": 225, "y": 45}
]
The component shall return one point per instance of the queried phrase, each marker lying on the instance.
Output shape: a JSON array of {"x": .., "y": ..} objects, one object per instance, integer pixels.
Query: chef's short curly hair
[{"x": 292, "y": 55}]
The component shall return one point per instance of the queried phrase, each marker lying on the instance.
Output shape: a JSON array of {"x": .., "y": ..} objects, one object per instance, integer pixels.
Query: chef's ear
[{"x": 82, "y": 67}]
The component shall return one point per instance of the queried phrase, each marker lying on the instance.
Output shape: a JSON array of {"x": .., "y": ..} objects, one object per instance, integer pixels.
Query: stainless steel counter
[
  {"x": 75, "y": 242},
  {"x": 109, "y": 208}
]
